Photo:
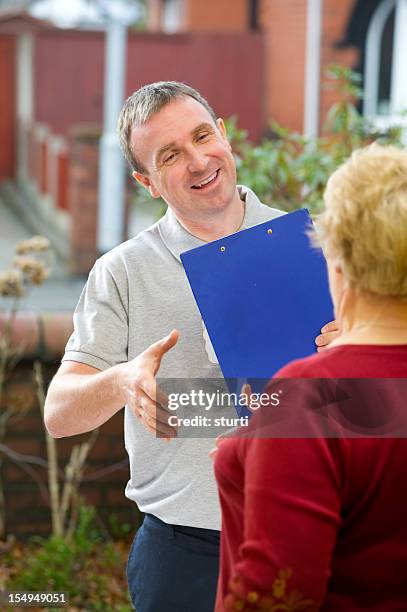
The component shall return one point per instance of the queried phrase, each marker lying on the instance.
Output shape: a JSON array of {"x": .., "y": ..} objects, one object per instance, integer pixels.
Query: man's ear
[
  {"x": 144, "y": 180},
  {"x": 222, "y": 129}
]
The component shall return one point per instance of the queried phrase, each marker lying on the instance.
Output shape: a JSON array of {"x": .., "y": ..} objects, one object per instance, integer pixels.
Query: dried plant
[
  {"x": 33, "y": 271},
  {"x": 11, "y": 284},
  {"x": 36, "y": 244},
  {"x": 65, "y": 503},
  {"x": 30, "y": 268}
]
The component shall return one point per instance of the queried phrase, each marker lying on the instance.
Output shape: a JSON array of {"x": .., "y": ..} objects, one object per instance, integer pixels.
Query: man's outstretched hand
[
  {"x": 329, "y": 332},
  {"x": 145, "y": 398},
  {"x": 142, "y": 394}
]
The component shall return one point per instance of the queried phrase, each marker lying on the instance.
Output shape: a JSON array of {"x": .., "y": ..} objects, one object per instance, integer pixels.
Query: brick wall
[
  {"x": 216, "y": 16},
  {"x": 27, "y": 511},
  {"x": 203, "y": 16},
  {"x": 335, "y": 19},
  {"x": 83, "y": 199},
  {"x": 284, "y": 27},
  {"x": 284, "y": 31}
]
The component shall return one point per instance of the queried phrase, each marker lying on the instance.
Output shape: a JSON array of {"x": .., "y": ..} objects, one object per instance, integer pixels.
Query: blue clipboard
[{"x": 263, "y": 295}]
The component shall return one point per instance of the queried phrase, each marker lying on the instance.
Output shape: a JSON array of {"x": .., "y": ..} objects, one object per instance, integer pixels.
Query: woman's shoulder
[
  {"x": 350, "y": 360},
  {"x": 316, "y": 365}
]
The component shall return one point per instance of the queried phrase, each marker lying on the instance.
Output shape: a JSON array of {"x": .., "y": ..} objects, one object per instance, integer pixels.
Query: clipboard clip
[{"x": 223, "y": 248}]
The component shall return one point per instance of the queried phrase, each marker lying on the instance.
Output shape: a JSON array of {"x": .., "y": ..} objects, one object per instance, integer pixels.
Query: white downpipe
[
  {"x": 112, "y": 176},
  {"x": 25, "y": 100},
  {"x": 312, "y": 69}
]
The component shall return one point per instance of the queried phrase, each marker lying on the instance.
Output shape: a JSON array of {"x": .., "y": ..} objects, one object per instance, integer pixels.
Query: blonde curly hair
[{"x": 364, "y": 224}]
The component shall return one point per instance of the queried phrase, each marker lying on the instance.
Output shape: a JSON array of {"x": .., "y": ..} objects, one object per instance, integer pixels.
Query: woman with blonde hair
[{"x": 320, "y": 522}]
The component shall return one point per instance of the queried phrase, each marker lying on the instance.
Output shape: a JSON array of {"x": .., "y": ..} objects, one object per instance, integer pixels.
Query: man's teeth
[{"x": 208, "y": 180}]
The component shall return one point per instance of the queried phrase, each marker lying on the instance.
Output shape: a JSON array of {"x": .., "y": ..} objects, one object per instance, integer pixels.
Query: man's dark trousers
[{"x": 173, "y": 568}]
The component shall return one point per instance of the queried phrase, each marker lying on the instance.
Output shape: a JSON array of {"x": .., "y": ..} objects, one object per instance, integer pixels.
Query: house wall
[
  {"x": 335, "y": 19},
  {"x": 283, "y": 24},
  {"x": 217, "y": 15},
  {"x": 201, "y": 16},
  {"x": 284, "y": 27}
]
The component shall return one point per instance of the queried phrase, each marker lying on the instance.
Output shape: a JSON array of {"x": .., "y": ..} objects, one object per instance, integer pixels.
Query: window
[{"x": 386, "y": 59}]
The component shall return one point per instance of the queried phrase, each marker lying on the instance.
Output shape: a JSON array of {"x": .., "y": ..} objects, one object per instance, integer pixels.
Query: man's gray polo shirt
[{"x": 136, "y": 294}]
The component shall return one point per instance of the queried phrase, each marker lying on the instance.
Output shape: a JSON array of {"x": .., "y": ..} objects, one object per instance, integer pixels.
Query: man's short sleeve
[{"x": 100, "y": 336}]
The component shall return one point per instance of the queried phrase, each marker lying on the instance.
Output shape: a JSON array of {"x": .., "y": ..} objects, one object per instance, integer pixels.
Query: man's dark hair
[{"x": 146, "y": 102}]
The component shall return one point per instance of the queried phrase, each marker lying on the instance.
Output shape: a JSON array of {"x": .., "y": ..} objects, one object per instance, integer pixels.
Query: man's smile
[{"x": 207, "y": 181}]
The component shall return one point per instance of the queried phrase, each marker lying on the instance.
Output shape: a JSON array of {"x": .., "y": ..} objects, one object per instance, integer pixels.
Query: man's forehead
[{"x": 177, "y": 119}]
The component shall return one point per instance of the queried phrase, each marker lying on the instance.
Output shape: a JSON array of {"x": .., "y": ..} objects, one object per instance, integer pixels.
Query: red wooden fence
[{"x": 7, "y": 107}]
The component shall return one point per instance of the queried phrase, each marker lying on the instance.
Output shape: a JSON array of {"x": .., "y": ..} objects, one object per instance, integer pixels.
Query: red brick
[
  {"x": 117, "y": 450},
  {"x": 23, "y": 497},
  {"x": 91, "y": 495},
  {"x": 216, "y": 15},
  {"x": 83, "y": 203},
  {"x": 19, "y": 523},
  {"x": 105, "y": 477},
  {"x": 115, "y": 425},
  {"x": 26, "y": 445},
  {"x": 101, "y": 449},
  {"x": 114, "y": 496},
  {"x": 30, "y": 422},
  {"x": 13, "y": 473}
]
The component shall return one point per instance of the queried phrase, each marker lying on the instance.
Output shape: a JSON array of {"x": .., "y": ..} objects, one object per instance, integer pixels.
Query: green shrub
[
  {"x": 118, "y": 529},
  {"x": 287, "y": 171},
  {"x": 88, "y": 567}
]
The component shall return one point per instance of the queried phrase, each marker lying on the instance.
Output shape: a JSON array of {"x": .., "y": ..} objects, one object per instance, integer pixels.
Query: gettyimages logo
[
  {"x": 206, "y": 408},
  {"x": 287, "y": 408},
  {"x": 206, "y": 401}
]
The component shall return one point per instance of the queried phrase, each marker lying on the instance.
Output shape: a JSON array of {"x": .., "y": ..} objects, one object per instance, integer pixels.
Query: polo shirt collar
[{"x": 177, "y": 239}]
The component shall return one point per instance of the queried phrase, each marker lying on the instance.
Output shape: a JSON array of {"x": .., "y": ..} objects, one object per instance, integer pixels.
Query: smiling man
[
  {"x": 183, "y": 155},
  {"x": 135, "y": 295}
]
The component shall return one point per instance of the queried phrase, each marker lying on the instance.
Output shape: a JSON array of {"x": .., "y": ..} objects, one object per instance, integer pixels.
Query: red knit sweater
[{"x": 321, "y": 523}]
